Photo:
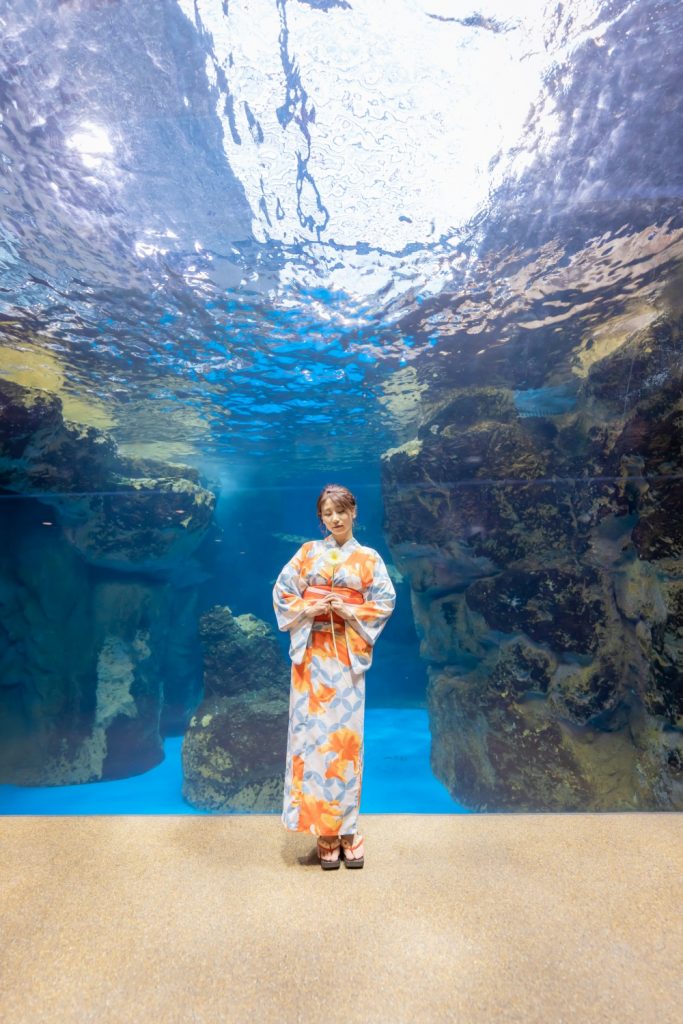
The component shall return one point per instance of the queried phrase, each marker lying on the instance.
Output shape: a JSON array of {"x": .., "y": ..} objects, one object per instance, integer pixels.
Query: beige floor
[{"x": 494, "y": 918}]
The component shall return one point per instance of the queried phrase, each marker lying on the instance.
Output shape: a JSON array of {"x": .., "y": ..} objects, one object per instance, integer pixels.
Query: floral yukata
[{"x": 324, "y": 766}]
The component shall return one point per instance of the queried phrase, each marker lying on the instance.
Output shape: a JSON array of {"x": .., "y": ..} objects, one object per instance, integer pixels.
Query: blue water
[
  {"x": 216, "y": 299},
  {"x": 397, "y": 778},
  {"x": 254, "y": 259}
]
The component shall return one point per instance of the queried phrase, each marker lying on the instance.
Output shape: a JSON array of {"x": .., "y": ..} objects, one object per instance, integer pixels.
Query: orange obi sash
[{"x": 347, "y": 594}]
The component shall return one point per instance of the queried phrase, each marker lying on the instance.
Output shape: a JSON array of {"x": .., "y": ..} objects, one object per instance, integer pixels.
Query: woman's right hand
[{"x": 322, "y": 607}]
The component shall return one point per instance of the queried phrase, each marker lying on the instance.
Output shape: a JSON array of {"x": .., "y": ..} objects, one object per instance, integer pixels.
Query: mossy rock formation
[
  {"x": 235, "y": 746},
  {"x": 543, "y": 549},
  {"x": 98, "y": 651}
]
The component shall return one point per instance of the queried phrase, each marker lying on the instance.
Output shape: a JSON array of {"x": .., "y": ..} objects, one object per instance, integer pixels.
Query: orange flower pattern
[{"x": 324, "y": 765}]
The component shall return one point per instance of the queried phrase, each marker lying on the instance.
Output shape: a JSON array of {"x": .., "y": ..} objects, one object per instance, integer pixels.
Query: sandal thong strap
[{"x": 349, "y": 846}]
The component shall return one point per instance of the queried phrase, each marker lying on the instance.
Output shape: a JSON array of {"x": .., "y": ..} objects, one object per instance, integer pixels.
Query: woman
[{"x": 334, "y": 597}]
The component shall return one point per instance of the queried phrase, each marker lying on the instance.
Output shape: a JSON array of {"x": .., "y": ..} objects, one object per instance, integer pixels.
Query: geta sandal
[
  {"x": 329, "y": 844},
  {"x": 352, "y": 845}
]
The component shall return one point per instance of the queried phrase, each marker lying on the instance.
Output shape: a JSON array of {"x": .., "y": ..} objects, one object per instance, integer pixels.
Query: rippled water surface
[{"x": 232, "y": 229}]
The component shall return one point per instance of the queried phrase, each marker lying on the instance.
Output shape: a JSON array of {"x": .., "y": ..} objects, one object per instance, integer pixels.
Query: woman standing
[{"x": 334, "y": 597}]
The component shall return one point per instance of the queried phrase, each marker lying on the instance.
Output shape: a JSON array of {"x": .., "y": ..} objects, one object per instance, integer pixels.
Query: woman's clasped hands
[{"x": 330, "y": 602}]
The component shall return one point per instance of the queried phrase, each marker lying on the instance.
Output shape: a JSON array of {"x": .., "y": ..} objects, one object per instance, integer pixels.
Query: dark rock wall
[
  {"x": 99, "y": 653},
  {"x": 544, "y": 552},
  {"x": 235, "y": 746}
]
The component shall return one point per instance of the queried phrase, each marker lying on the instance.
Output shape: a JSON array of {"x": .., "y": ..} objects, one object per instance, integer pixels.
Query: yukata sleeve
[
  {"x": 289, "y": 605},
  {"x": 371, "y": 617}
]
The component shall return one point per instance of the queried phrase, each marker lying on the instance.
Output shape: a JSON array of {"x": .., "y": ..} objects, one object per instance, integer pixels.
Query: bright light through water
[
  {"x": 261, "y": 198},
  {"x": 402, "y": 112},
  {"x": 92, "y": 143}
]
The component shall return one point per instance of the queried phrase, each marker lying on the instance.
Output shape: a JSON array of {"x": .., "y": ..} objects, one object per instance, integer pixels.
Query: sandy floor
[{"x": 475, "y": 918}]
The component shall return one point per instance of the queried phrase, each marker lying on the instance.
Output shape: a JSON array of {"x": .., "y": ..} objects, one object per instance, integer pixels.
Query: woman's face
[{"x": 337, "y": 520}]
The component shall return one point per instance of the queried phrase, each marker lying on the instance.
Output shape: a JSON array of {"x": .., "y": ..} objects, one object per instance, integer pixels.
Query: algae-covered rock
[
  {"x": 240, "y": 653},
  {"x": 234, "y": 752},
  {"x": 562, "y": 608},
  {"x": 83, "y": 662},
  {"x": 542, "y": 542},
  {"x": 96, "y": 645},
  {"x": 152, "y": 527},
  {"x": 498, "y": 750},
  {"x": 234, "y": 748},
  {"x": 114, "y": 514},
  {"x": 40, "y": 453},
  {"x": 500, "y": 745}
]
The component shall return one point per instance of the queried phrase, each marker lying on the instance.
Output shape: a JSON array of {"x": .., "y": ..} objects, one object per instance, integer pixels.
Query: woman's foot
[
  {"x": 328, "y": 852},
  {"x": 353, "y": 850}
]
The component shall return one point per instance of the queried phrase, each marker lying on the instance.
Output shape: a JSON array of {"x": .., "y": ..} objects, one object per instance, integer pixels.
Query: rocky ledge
[
  {"x": 98, "y": 650},
  {"x": 543, "y": 542},
  {"x": 235, "y": 746}
]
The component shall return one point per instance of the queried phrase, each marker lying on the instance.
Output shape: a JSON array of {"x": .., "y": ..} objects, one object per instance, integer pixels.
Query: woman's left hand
[{"x": 341, "y": 608}]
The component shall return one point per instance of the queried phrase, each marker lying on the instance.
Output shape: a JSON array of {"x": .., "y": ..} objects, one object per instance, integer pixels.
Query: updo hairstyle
[{"x": 341, "y": 497}]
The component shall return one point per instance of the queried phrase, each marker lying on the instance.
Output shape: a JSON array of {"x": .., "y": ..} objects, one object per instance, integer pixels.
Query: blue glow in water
[
  {"x": 397, "y": 778},
  {"x": 548, "y": 401}
]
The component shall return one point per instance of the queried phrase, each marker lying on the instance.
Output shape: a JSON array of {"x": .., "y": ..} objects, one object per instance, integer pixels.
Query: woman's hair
[{"x": 341, "y": 497}]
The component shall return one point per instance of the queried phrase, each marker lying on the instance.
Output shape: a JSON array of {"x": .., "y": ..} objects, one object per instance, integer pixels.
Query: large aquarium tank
[{"x": 431, "y": 250}]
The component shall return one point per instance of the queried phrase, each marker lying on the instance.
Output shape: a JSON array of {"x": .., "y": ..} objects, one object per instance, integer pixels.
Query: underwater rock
[
  {"x": 643, "y": 371},
  {"x": 461, "y": 407},
  {"x": 94, "y": 639},
  {"x": 152, "y": 527},
  {"x": 638, "y": 591},
  {"x": 659, "y": 531},
  {"x": 461, "y": 488},
  {"x": 500, "y": 742},
  {"x": 84, "y": 661},
  {"x": 663, "y": 643},
  {"x": 114, "y": 515},
  {"x": 499, "y": 752},
  {"x": 541, "y": 534},
  {"x": 234, "y": 752},
  {"x": 589, "y": 694},
  {"x": 235, "y": 746},
  {"x": 41, "y": 454},
  {"x": 241, "y": 653},
  {"x": 563, "y": 609}
]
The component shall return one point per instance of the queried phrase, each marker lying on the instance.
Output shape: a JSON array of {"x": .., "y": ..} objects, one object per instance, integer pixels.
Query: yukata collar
[{"x": 348, "y": 545}]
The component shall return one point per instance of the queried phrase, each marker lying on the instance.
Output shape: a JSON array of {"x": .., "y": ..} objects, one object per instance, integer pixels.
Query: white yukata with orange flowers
[{"x": 324, "y": 765}]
